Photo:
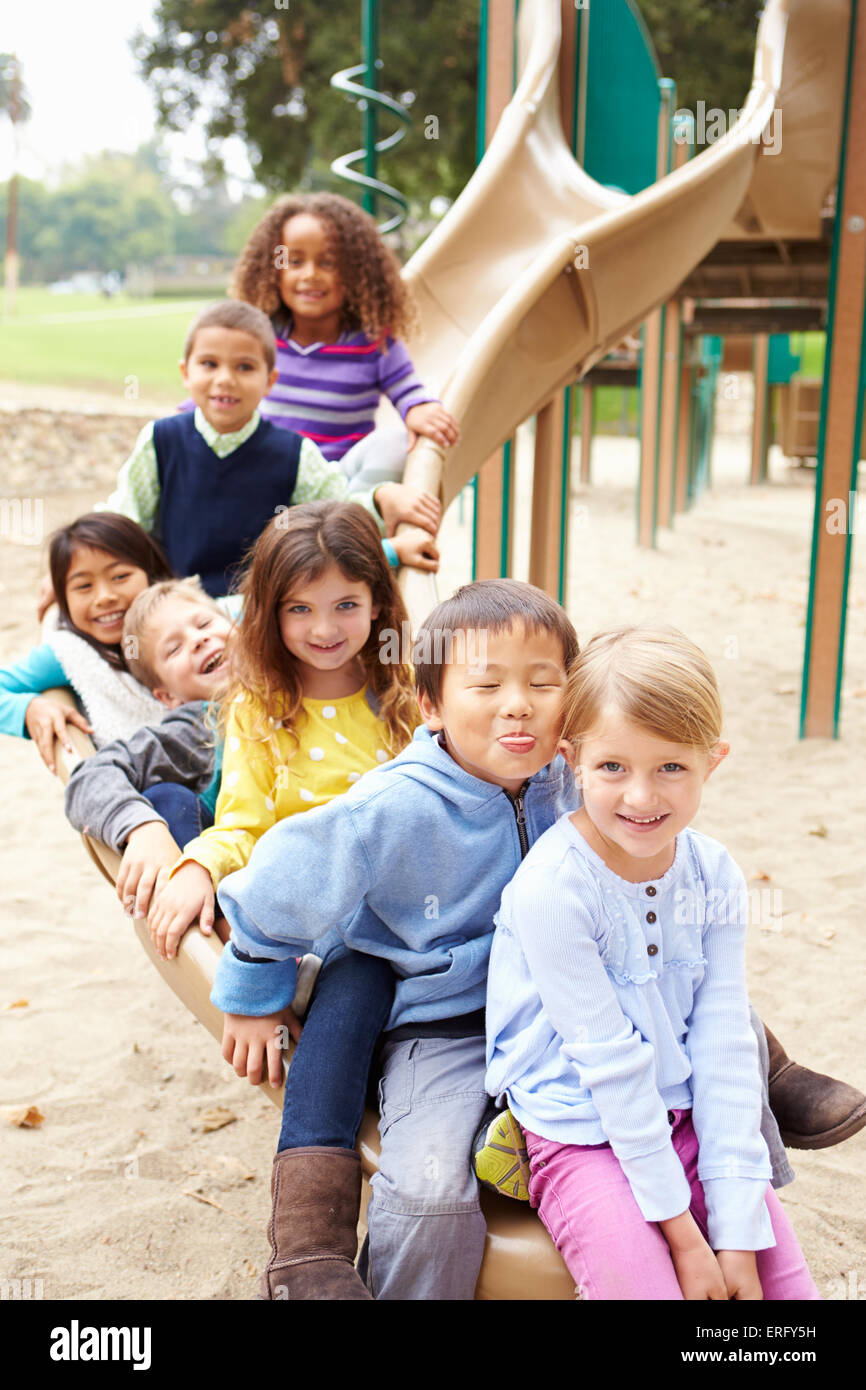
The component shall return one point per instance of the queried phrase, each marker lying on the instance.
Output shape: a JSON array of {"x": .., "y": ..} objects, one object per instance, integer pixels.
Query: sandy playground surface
[{"x": 125, "y": 1191}]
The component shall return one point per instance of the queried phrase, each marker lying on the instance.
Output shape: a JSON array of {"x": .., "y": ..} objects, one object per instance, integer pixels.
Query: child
[
  {"x": 311, "y": 708},
  {"x": 410, "y": 865},
  {"x": 145, "y": 795},
  {"x": 99, "y": 563},
  {"x": 617, "y": 1014},
  {"x": 207, "y": 483},
  {"x": 318, "y": 267}
]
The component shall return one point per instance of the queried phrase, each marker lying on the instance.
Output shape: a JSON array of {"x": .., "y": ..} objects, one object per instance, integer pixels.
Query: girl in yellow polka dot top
[
  {"x": 314, "y": 703},
  {"x": 311, "y": 706}
]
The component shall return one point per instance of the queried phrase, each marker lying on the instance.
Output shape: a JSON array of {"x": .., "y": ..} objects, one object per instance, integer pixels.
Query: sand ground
[{"x": 123, "y": 1192}]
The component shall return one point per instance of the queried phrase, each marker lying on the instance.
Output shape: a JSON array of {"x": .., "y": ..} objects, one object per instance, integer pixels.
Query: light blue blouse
[{"x": 610, "y": 1003}]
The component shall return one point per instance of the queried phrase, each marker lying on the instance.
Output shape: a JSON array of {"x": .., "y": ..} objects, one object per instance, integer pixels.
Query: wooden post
[
  {"x": 841, "y": 414},
  {"x": 670, "y": 384},
  {"x": 760, "y": 415},
  {"x": 493, "y": 520},
  {"x": 549, "y": 534},
  {"x": 545, "y": 550},
  {"x": 587, "y": 414},
  {"x": 671, "y": 387},
  {"x": 651, "y": 363}
]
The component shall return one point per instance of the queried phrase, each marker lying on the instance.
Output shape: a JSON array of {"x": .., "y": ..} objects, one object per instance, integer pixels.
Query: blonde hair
[
  {"x": 655, "y": 676},
  {"x": 138, "y": 641}
]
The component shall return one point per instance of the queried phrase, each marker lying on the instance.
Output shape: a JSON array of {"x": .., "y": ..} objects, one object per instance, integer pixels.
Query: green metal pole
[{"x": 370, "y": 54}]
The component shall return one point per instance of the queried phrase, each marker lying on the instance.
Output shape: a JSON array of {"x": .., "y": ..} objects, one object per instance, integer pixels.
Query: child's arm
[
  {"x": 244, "y": 811},
  {"x": 104, "y": 795},
  {"x": 733, "y": 1163},
  {"x": 434, "y": 421},
  {"x": 308, "y": 874},
  {"x": 389, "y": 503},
  {"x": 26, "y": 713},
  {"x": 137, "y": 491}
]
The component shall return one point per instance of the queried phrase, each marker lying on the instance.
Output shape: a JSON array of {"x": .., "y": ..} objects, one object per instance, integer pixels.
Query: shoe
[
  {"x": 308, "y": 973},
  {"x": 316, "y": 1196},
  {"x": 812, "y": 1111},
  {"x": 501, "y": 1162}
]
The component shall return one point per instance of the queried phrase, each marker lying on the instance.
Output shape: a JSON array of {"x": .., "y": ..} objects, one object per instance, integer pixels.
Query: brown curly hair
[
  {"x": 296, "y": 548},
  {"x": 377, "y": 302}
]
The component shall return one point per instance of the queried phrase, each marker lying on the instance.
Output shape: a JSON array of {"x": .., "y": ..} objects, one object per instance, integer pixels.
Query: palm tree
[{"x": 13, "y": 101}]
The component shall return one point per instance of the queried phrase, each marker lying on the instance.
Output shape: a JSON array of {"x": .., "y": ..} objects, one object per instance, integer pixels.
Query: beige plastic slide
[
  {"x": 537, "y": 270},
  {"x": 533, "y": 275}
]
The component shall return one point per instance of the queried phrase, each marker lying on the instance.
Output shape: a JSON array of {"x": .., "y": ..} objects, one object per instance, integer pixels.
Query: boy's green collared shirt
[{"x": 137, "y": 491}]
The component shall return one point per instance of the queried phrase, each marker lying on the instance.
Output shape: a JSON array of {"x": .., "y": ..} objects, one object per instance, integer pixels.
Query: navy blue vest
[{"x": 211, "y": 510}]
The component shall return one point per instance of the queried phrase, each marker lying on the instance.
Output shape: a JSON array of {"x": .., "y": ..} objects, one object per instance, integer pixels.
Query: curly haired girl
[{"x": 318, "y": 267}]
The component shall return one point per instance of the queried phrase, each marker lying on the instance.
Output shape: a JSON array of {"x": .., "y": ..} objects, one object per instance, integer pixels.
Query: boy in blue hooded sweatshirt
[{"x": 410, "y": 865}]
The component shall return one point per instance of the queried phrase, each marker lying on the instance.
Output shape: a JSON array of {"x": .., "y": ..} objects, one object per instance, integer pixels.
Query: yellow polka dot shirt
[{"x": 263, "y": 781}]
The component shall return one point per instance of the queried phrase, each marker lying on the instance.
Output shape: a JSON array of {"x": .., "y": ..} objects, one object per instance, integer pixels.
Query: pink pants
[{"x": 612, "y": 1251}]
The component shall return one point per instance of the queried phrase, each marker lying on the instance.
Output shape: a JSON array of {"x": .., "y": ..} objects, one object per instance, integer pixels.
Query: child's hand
[
  {"x": 250, "y": 1042},
  {"x": 698, "y": 1271},
  {"x": 396, "y": 502},
  {"x": 150, "y": 852},
  {"x": 740, "y": 1271},
  {"x": 187, "y": 896},
  {"x": 416, "y": 548},
  {"x": 45, "y": 597},
  {"x": 434, "y": 421},
  {"x": 46, "y": 720}
]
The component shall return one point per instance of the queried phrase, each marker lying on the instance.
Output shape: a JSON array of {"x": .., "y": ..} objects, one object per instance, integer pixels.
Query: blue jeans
[
  {"x": 326, "y": 1084},
  {"x": 185, "y": 813}
]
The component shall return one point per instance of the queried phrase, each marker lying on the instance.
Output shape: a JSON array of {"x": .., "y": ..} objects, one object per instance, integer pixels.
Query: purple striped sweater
[{"x": 330, "y": 391}]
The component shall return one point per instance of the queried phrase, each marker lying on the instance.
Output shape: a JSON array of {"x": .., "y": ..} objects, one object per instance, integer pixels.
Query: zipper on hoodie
[{"x": 520, "y": 816}]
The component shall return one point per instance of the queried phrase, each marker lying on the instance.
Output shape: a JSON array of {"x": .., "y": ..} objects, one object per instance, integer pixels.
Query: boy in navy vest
[{"x": 206, "y": 482}]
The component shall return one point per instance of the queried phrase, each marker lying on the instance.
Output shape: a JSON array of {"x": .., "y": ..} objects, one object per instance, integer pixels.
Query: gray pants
[
  {"x": 424, "y": 1220},
  {"x": 426, "y": 1228},
  {"x": 380, "y": 457}
]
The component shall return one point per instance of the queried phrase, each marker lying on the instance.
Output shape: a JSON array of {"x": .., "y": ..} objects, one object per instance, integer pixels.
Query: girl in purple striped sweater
[{"x": 317, "y": 265}]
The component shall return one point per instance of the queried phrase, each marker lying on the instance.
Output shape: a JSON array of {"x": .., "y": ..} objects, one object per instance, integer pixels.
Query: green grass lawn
[{"x": 124, "y": 346}]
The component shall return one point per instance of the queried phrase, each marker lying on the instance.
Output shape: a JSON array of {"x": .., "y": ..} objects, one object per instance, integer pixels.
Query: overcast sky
[{"x": 80, "y": 75}]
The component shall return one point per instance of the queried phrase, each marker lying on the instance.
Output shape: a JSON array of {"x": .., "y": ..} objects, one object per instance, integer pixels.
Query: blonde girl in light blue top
[{"x": 617, "y": 1014}]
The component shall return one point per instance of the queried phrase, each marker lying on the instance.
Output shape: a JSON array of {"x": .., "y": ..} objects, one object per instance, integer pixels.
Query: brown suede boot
[
  {"x": 812, "y": 1111},
  {"x": 316, "y": 1195}
]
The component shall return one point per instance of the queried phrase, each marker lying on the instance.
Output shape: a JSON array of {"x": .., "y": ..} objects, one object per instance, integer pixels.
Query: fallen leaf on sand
[
  {"x": 18, "y": 1004},
  {"x": 759, "y": 876},
  {"x": 249, "y": 1269},
  {"x": 821, "y": 831},
  {"x": 215, "y": 1119},
  {"x": 25, "y": 1116}
]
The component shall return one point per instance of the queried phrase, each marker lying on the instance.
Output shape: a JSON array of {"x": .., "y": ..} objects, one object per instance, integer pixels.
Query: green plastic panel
[{"x": 622, "y": 98}]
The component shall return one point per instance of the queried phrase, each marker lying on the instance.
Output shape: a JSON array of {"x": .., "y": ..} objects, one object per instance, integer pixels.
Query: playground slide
[{"x": 537, "y": 271}]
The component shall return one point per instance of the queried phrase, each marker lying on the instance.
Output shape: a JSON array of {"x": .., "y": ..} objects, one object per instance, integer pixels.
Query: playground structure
[{"x": 539, "y": 271}]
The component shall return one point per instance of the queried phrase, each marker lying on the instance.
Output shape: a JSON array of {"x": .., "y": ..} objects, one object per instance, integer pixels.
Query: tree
[
  {"x": 706, "y": 46},
  {"x": 262, "y": 72}
]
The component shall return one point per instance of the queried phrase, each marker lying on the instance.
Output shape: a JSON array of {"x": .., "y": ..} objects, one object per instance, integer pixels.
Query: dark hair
[
  {"x": 296, "y": 547},
  {"x": 377, "y": 301},
  {"x": 488, "y": 605},
  {"x": 244, "y": 318},
  {"x": 116, "y": 535}
]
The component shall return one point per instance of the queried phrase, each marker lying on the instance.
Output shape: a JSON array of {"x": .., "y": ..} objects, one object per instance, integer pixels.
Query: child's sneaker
[
  {"x": 501, "y": 1162},
  {"x": 308, "y": 973}
]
